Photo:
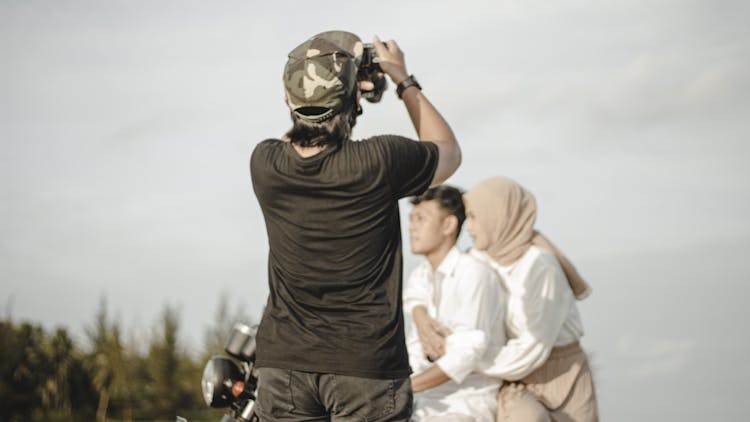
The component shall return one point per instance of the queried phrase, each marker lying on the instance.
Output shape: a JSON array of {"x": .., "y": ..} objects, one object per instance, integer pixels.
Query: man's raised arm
[{"x": 429, "y": 124}]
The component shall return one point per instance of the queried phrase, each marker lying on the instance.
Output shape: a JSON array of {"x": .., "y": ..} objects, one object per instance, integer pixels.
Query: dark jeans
[{"x": 287, "y": 395}]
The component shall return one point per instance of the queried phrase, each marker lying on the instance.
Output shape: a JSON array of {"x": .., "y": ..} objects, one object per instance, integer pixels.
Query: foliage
[{"x": 46, "y": 376}]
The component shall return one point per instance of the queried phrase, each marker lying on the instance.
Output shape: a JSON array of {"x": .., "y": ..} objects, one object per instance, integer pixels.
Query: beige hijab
[{"x": 507, "y": 211}]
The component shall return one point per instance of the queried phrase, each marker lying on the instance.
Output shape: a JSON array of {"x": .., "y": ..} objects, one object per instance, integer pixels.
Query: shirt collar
[
  {"x": 483, "y": 256},
  {"x": 448, "y": 265}
]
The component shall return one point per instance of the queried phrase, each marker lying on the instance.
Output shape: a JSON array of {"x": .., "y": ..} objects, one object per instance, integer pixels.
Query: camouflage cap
[{"x": 321, "y": 73}]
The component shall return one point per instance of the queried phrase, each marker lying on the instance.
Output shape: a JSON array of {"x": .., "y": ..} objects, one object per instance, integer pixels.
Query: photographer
[{"x": 331, "y": 341}]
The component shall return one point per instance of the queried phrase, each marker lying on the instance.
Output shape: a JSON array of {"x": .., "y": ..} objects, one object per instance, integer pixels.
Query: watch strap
[{"x": 406, "y": 83}]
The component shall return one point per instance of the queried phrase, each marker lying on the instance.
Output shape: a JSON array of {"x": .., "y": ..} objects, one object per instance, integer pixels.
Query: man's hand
[
  {"x": 365, "y": 86},
  {"x": 391, "y": 59},
  {"x": 431, "y": 333}
]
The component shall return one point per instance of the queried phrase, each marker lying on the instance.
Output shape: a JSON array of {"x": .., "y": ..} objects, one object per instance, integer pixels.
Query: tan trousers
[{"x": 561, "y": 390}]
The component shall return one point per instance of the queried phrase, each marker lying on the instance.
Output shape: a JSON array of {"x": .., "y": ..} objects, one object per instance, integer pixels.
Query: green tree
[
  {"x": 41, "y": 376},
  {"x": 56, "y": 391},
  {"x": 163, "y": 366},
  {"x": 28, "y": 371},
  {"x": 45, "y": 376},
  {"x": 106, "y": 362},
  {"x": 18, "y": 384}
]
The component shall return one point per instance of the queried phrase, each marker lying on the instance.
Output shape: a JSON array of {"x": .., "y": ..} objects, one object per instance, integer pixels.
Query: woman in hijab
[{"x": 547, "y": 373}]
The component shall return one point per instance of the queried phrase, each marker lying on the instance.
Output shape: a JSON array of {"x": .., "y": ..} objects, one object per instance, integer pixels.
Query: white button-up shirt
[
  {"x": 464, "y": 295},
  {"x": 541, "y": 312}
]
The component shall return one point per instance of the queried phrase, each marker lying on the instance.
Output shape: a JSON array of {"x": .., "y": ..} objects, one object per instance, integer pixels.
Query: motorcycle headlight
[{"x": 222, "y": 382}]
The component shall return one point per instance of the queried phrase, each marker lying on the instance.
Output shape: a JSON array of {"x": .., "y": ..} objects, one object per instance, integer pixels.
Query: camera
[{"x": 370, "y": 71}]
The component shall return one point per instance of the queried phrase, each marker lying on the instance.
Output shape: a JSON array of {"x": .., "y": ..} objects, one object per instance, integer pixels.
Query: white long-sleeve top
[
  {"x": 541, "y": 313},
  {"x": 464, "y": 295}
]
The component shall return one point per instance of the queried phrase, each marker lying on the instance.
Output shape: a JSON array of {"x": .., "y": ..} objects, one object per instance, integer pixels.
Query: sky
[{"x": 126, "y": 129}]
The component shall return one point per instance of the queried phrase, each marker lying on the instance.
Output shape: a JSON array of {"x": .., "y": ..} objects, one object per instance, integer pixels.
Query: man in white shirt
[{"x": 460, "y": 298}]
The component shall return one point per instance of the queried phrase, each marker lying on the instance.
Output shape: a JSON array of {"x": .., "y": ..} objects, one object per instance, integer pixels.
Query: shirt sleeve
[
  {"x": 417, "y": 359},
  {"x": 463, "y": 349},
  {"x": 416, "y": 292},
  {"x": 259, "y": 161},
  {"x": 417, "y": 289},
  {"x": 545, "y": 305},
  {"x": 410, "y": 164},
  {"x": 481, "y": 302}
]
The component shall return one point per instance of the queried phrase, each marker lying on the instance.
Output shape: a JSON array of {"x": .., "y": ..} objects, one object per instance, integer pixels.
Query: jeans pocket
[
  {"x": 274, "y": 392},
  {"x": 366, "y": 399}
]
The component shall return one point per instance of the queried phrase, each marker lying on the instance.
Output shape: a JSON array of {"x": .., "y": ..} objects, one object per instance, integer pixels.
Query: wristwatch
[{"x": 406, "y": 83}]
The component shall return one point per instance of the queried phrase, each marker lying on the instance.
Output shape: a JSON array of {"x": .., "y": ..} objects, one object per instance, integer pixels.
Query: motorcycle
[{"x": 225, "y": 384}]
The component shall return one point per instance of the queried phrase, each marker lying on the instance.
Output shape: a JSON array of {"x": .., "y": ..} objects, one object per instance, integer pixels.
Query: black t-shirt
[{"x": 334, "y": 264}]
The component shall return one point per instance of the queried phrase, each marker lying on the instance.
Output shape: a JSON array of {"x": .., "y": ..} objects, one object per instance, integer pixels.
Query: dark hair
[
  {"x": 449, "y": 199},
  {"x": 331, "y": 131}
]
